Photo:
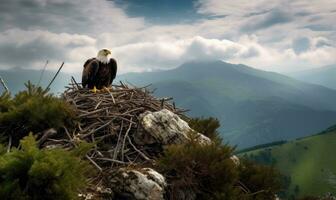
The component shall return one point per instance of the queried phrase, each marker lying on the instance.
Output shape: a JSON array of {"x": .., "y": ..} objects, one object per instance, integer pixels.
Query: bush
[
  {"x": 33, "y": 174},
  {"x": 204, "y": 170},
  {"x": 32, "y": 110},
  {"x": 262, "y": 181},
  {"x": 5, "y": 102},
  {"x": 206, "y": 126},
  {"x": 207, "y": 172}
]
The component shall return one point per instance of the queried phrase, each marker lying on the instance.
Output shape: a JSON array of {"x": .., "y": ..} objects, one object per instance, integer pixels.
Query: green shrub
[
  {"x": 207, "y": 172},
  {"x": 309, "y": 198},
  {"x": 262, "y": 181},
  {"x": 204, "y": 170},
  {"x": 5, "y": 102},
  {"x": 206, "y": 126},
  {"x": 32, "y": 110},
  {"x": 33, "y": 174}
]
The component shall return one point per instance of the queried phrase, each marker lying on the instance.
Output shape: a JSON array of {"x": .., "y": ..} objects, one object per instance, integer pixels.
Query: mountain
[
  {"x": 325, "y": 76},
  {"x": 254, "y": 106},
  {"x": 15, "y": 79},
  {"x": 308, "y": 162}
]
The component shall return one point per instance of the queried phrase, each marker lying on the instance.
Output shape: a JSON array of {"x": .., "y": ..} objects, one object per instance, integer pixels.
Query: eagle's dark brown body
[{"x": 96, "y": 73}]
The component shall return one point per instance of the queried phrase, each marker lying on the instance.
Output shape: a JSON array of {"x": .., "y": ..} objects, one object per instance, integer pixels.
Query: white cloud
[
  {"x": 259, "y": 33},
  {"x": 247, "y": 50}
]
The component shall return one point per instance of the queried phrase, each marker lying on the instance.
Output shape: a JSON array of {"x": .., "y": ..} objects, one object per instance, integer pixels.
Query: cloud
[
  {"x": 38, "y": 46},
  {"x": 301, "y": 44},
  {"x": 267, "y": 20},
  {"x": 165, "y": 55},
  {"x": 247, "y": 50},
  {"x": 75, "y": 16},
  {"x": 272, "y": 34}
]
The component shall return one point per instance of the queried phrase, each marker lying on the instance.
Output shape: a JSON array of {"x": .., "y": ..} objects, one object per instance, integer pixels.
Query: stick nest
[{"x": 109, "y": 120}]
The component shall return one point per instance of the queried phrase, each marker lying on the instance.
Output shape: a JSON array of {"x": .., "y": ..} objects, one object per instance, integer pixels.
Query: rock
[
  {"x": 166, "y": 127},
  {"x": 139, "y": 184},
  {"x": 235, "y": 160}
]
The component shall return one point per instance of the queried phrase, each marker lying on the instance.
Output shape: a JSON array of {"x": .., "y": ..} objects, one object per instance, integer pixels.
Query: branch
[
  {"x": 4, "y": 84},
  {"x": 54, "y": 76}
]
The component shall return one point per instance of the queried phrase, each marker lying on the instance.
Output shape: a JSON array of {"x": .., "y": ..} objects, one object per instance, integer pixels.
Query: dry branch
[{"x": 109, "y": 119}]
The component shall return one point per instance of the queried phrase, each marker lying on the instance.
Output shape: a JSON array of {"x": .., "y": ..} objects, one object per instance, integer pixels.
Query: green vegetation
[
  {"x": 206, "y": 126},
  {"x": 32, "y": 174},
  {"x": 207, "y": 171},
  {"x": 32, "y": 110},
  {"x": 309, "y": 162}
]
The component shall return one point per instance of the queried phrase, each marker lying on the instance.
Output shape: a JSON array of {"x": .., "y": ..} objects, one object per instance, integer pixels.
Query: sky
[{"x": 149, "y": 35}]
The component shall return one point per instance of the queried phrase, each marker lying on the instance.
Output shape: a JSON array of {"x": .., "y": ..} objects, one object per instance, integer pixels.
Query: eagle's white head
[{"x": 103, "y": 55}]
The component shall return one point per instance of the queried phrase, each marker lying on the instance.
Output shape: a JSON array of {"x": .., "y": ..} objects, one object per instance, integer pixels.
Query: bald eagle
[{"x": 99, "y": 72}]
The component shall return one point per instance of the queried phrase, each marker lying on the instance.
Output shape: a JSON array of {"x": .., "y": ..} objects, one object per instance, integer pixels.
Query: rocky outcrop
[
  {"x": 165, "y": 127},
  {"x": 138, "y": 184},
  {"x": 235, "y": 160}
]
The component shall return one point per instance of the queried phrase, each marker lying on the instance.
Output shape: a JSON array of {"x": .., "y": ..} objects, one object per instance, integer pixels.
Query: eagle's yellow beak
[{"x": 108, "y": 52}]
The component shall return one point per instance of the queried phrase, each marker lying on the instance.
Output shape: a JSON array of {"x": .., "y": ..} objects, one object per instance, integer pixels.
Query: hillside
[
  {"x": 308, "y": 162},
  {"x": 254, "y": 106},
  {"x": 325, "y": 76}
]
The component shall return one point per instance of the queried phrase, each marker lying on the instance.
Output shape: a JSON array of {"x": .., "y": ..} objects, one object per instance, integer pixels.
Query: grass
[{"x": 310, "y": 162}]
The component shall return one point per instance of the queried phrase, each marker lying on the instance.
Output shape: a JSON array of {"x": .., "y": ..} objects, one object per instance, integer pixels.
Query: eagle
[{"x": 99, "y": 72}]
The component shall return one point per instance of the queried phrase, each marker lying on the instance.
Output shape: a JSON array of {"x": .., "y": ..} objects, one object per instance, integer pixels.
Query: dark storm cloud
[
  {"x": 21, "y": 48},
  {"x": 162, "y": 11},
  {"x": 23, "y": 55},
  {"x": 56, "y": 16}
]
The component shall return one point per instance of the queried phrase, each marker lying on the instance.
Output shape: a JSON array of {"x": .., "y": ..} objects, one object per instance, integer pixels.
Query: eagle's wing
[
  {"x": 90, "y": 70},
  {"x": 113, "y": 66}
]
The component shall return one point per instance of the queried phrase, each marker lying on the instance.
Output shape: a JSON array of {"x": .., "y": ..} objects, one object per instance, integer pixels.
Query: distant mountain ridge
[
  {"x": 325, "y": 76},
  {"x": 254, "y": 106}
]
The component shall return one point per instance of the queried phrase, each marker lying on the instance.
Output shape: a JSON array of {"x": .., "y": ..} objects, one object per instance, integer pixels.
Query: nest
[{"x": 109, "y": 120}]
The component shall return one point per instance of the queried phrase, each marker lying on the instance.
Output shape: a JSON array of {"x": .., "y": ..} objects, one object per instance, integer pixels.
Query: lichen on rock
[
  {"x": 165, "y": 127},
  {"x": 139, "y": 184}
]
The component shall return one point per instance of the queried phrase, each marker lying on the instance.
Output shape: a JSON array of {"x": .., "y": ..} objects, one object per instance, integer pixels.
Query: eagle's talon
[
  {"x": 107, "y": 89},
  {"x": 94, "y": 90}
]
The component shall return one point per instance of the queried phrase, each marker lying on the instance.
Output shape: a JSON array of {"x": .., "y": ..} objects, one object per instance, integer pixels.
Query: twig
[
  {"x": 112, "y": 160},
  {"x": 46, "y": 135},
  {"x": 94, "y": 163},
  {"x": 9, "y": 143},
  {"x": 59, "y": 69},
  {"x": 42, "y": 73},
  {"x": 124, "y": 141},
  {"x": 73, "y": 79},
  {"x": 4, "y": 84},
  {"x": 136, "y": 149}
]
